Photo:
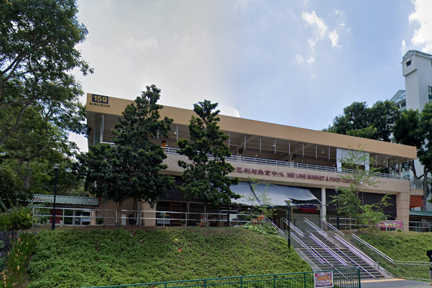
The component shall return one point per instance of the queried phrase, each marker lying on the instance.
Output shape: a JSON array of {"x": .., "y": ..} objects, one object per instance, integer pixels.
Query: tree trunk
[
  {"x": 119, "y": 209},
  {"x": 206, "y": 223},
  {"x": 425, "y": 189}
]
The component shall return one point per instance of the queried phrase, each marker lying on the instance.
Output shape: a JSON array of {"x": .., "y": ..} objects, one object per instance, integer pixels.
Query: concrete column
[
  {"x": 402, "y": 209},
  {"x": 149, "y": 214},
  {"x": 323, "y": 210}
]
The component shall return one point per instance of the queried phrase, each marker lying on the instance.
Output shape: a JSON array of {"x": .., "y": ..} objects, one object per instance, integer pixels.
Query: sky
[{"x": 296, "y": 63}]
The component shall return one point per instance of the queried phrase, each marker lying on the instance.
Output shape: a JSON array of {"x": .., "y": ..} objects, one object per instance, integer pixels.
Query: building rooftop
[
  {"x": 410, "y": 53},
  {"x": 399, "y": 96},
  {"x": 67, "y": 200}
]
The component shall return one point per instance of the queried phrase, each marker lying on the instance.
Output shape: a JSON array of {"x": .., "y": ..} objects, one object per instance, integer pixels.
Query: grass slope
[
  {"x": 97, "y": 257},
  {"x": 401, "y": 246},
  {"x": 406, "y": 246}
]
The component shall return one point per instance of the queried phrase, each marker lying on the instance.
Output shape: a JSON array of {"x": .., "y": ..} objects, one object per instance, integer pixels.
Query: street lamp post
[
  {"x": 337, "y": 207},
  {"x": 288, "y": 202},
  {"x": 56, "y": 167}
]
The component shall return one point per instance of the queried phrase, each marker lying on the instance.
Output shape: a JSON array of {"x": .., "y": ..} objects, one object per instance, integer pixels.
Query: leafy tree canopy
[
  {"x": 415, "y": 128},
  {"x": 132, "y": 167},
  {"x": 348, "y": 201},
  {"x": 360, "y": 121},
  {"x": 206, "y": 174},
  {"x": 39, "y": 96}
]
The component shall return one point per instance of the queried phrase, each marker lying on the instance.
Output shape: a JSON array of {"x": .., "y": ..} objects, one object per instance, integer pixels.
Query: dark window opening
[{"x": 408, "y": 63}]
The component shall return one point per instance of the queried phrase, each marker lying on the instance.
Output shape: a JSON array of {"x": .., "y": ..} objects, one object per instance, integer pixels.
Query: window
[
  {"x": 403, "y": 106},
  {"x": 408, "y": 63},
  {"x": 430, "y": 94}
]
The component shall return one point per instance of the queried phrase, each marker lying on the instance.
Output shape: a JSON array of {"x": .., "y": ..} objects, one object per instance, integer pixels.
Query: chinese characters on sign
[
  {"x": 289, "y": 175},
  {"x": 323, "y": 279}
]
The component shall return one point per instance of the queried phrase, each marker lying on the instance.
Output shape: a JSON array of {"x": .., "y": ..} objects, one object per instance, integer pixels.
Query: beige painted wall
[{"x": 251, "y": 127}]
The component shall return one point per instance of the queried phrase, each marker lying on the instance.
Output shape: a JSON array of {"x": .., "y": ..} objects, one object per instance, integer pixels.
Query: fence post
[
  {"x": 205, "y": 283},
  {"x": 304, "y": 279},
  {"x": 358, "y": 275},
  {"x": 274, "y": 281},
  {"x": 241, "y": 281}
]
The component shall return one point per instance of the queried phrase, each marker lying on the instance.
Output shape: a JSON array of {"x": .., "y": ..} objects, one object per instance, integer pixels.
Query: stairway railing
[
  {"x": 327, "y": 224},
  {"x": 352, "y": 260},
  {"x": 293, "y": 227},
  {"x": 328, "y": 250},
  {"x": 373, "y": 248}
]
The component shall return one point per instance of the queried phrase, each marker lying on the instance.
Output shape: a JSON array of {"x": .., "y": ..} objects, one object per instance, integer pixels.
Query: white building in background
[{"x": 417, "y": 70}]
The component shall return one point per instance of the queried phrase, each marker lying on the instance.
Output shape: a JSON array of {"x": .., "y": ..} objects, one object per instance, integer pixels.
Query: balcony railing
[{"x": 288, "y": 164}]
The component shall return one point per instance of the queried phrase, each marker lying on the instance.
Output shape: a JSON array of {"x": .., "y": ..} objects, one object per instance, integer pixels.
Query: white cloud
[
  {"x": 132, "y": 44},
  {"x": 422, "y": 36},
  {"x": 334, "y": 37},
  {"x": 313, "y": 20},
  {"x": 403, "y": 48},
  {"x": 311, "y": 60},
  {"x": 320, "y": 29},
  {"x": 241, "y": 4},
  {"x": 299, "y": 58}
]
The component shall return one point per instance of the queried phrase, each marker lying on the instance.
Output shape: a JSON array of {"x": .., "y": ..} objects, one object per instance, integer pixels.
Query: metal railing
[
  {"x": 288, "y": 164},
  {"x": 80, "y": 216},
  {"x": 355, "y": 237},
  {"x": 416, "y": 270},
  {"x": 328, "y": 225},
  {"x": 293, "y": 227},
  {"x": 328, "y": 250},
  {"x": 301, "y": 279}
]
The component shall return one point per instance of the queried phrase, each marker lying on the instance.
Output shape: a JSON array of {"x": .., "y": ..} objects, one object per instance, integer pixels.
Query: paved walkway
[{"x": 387, "y": 283}]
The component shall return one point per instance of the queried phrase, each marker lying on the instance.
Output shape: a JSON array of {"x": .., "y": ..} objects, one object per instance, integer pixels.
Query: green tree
[
  {"x": 263, "y": 197},
  {"x": 372, "y": 123},
  {"x": 39, "y": 96},
  {"x": 348, "y": 199},
  {"x": 415, "y": 128},
  {"x": 205, "y": 176},
  {"x": 132, "y": 167}
]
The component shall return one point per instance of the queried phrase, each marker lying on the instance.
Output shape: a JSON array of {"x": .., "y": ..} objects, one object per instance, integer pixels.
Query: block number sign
[{"x": 100, "y": 99}]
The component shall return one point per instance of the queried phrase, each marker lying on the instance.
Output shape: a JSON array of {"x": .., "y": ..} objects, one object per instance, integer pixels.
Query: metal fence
[
  {"x": 84, "y": 216},
  {"x": 288, "y": 164},
  {"x": 349, "y": 279}
]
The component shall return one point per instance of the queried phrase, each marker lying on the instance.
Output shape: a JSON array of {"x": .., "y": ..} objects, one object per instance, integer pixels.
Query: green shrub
[
  {"x": 85, "y": 257},
  {"x": 17, "y": 261},
  {"x": 262, "y": 228},
  {"x": 16, "y": 218}
]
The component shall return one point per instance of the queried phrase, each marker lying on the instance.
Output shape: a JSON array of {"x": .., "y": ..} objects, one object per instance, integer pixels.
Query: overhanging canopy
[
  {"x": 246, "y": 193},
  {"x": 277, "y": 194},
  {"x": 272, "y": 195}
]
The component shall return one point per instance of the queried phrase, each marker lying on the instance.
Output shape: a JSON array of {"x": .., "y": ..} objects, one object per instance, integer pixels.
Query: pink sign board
[
  {"x": 323, "y": 279},
  {"x": 390, "y": 224}
]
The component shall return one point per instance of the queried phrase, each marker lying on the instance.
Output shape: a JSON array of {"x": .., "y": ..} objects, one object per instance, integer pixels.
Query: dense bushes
[
  {"x": 16, "y": 218},
  {"x": 83, "y": 257}
]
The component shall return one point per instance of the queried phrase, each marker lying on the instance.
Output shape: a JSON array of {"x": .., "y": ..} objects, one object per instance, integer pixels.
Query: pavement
[{"x": 397, "y": 283}]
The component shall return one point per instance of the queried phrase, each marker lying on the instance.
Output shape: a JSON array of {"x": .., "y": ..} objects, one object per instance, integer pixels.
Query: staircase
[{"x": 331, "y": 251}]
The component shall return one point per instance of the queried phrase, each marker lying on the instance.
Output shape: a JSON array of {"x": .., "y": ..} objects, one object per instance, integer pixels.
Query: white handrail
[
  {"x": 293, "y": 227},
  {"x": 279, "y": 231},
  {"x": 352, "y": 260},
  {"x": 326, "y": 248},
  {"x": 332, "y": 227},
  {"x": 281, "y": 163},
  {"x": 313, "y": 253},
  {"x": 318, "y": 230},
  {"x": 356, "y": 251},
  {"x": 373, "y": 248}
]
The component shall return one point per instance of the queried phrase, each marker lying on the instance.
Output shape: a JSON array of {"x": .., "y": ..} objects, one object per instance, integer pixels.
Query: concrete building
[
  {"x": 417, "y": 70},
  {"x": 301, "y": 164}
]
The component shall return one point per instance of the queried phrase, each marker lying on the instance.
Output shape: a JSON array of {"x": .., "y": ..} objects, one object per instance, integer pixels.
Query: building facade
[
  {"x": 300, "y": 164},
  {"x": 417, "y": 70}
]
